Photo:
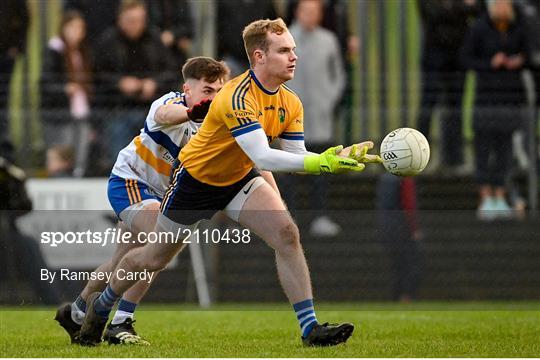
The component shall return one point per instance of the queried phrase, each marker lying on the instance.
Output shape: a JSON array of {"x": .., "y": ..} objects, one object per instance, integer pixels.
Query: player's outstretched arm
[
  {"x": 331, "y": 162},
  {"x": 359, "y": 152},
  {"x": 171, "y": 114},
  {"x": 255, "y": 145},
  {"x": 174, "y": 114}
]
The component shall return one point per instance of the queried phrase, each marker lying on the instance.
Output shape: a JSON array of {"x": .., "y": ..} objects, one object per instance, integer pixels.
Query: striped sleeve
[
  {"x": 173, "y": 98},
  {"x": 169, "y": 98},
  {"x": 239, "y": 114}
]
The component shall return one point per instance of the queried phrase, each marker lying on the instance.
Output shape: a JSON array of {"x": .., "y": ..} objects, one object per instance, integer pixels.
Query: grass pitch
[{"x": 382, "y": 330}]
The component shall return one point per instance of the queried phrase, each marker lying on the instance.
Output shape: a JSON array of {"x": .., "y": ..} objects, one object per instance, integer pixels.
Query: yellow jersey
[{"x": 243, "y": 105}]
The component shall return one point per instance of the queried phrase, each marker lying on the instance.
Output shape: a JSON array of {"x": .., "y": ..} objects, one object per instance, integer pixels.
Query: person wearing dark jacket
[
  {"x": 132, "y": 67},
  {"x": 444, "y": 25},
  {"x": 67, "y": 88},
  {"x": 496, "y": 49},
  {"x": 14, "y": 25},
  {"x": 21, "y": 259}
]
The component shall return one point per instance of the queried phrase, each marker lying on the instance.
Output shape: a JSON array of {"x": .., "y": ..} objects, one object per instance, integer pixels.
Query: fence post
[{"x": 533, "y": 171}]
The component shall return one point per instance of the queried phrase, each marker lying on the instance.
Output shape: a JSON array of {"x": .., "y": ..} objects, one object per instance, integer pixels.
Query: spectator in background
[
  {"x": 173, "y": 19},
  {"x": 444, "y": 25},
  {"x": 14, "y": 25},
  {"x": 20, "y": 256},
  {"x": 232, "y": 18},
  {"x": 60, "y": 160},
  {"x": 132, "y": 67},
  {"x": 397, "y": 225},
  {"x": 335, "y": 18},
  {"x": 496, "y": 49},
  {"x": 99, "y": 15},
  {"x": 67, "y": 88},
  {"x": 319, "y": 81}
]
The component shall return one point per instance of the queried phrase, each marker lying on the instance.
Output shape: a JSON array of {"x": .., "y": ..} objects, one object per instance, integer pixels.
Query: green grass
[{"x": 382, "y": 330}]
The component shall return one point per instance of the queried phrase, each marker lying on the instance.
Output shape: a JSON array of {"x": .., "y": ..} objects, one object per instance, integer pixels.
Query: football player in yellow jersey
[{"x": 219, "y": 172}]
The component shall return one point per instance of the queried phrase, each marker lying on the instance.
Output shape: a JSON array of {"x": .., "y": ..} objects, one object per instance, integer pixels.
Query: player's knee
[
  {"x": 289, "y": 237},
  {"x": 138, "y": 260}
]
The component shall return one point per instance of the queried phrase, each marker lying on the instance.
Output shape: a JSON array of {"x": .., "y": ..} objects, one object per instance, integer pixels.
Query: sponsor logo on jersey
[
  {"x": 167, "y": 157},
  {"x": 242, "y": 113},
  {"x": 271, "y": 107}
]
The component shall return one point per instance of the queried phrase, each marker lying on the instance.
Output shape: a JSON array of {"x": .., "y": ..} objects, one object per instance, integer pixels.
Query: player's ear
[
  {"x": 186, "y": 88},
  {"x": 259, "y": 56}
]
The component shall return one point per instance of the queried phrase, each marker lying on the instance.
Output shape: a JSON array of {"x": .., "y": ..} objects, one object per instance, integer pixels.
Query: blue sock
[
  {"x": 105, "y": 302},
  {"x": 125, "y": 310},
  {"x": 305, "y": 313},
  {"x": 126, "y": 306},
  {"x": 80, "y": 304}
]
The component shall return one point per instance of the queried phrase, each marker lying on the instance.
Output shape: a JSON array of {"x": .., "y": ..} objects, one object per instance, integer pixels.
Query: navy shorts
[{"x": 188, "y": 200}]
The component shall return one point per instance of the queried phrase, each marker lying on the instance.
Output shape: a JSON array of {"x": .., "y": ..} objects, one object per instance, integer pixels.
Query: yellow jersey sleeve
[{"x": 240, "y": 116}]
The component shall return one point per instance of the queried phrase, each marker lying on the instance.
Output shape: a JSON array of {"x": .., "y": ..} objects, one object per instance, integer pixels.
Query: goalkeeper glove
[
  {"x": 198, "y": 112},
  {"x": 330, "y": 162},
  {"x": 359, "y": 153}
]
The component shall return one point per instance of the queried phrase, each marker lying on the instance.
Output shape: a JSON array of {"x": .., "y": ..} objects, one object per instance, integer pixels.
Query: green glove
[
  {"x": 359, "y": 152},
  {"x": 330, "y": 162}
]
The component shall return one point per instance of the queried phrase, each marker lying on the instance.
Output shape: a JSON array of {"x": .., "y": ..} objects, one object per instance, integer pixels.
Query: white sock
[
  {"x": 77, "y": 315},
  {"x": 121, "y": 316}
]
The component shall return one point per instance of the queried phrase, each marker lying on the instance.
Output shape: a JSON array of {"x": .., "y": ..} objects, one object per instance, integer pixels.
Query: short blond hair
[{"x": 255, "y": 35}]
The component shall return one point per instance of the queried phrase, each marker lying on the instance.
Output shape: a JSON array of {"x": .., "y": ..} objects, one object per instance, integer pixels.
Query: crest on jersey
[{"x": 281, "y": 114}]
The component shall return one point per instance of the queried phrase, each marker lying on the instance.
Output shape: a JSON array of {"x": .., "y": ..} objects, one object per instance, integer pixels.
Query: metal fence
[{"x": 384, "y": 78}]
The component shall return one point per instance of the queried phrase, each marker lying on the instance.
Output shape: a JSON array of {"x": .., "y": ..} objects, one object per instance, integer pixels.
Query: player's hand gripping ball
[{"x": 405, "y": 152}]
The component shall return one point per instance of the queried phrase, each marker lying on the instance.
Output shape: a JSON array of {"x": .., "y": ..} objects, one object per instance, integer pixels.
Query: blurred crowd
[
  {"x": 497, "y": 40},
  {"x": 111, "y": 58}
]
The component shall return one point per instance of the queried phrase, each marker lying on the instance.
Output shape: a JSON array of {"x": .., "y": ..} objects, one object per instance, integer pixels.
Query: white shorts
[
  {"x": 232, "y": 210},
  {"x": 128, "y": 214}
]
